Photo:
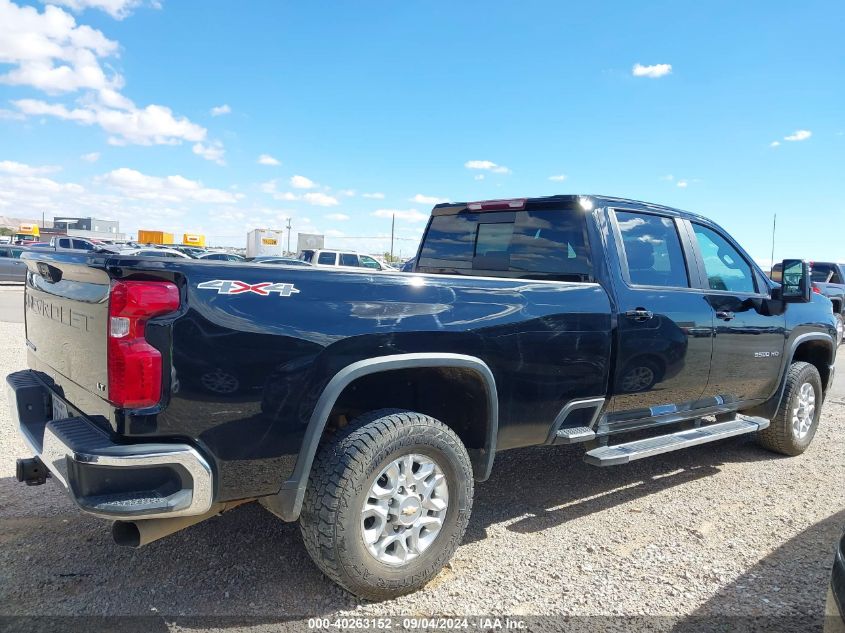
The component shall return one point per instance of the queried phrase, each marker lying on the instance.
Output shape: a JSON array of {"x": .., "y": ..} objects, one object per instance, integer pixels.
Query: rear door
[
  {"x": 665, "y": 324},
  {"x": 748, "y": 342}
]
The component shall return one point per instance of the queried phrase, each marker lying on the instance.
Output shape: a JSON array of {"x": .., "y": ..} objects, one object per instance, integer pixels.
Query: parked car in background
[
  {"x": 339, "y": 259},
  {"x": 828, "y": 280},
  {"x": 190, "y": 251},
  {"x": 281, "y": 261},
  {"x": 11, "y": 266},
  {"x": 154, "y": 252},
  {"x": 220, "y": 257},
  {"x": 68, "y": 243}
]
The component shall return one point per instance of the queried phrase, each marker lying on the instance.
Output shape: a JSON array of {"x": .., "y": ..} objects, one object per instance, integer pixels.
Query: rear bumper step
[
  {"x": 110, "y": 480},
  {"x": 624, "y": 453}
]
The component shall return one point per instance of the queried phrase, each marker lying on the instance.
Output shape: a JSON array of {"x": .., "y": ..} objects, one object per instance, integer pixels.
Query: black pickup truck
[{"x": 162, "y": 392}]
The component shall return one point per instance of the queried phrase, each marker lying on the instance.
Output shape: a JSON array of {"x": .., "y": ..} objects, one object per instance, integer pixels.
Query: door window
[
  {"x": 369, "y": 262},
  {"x": 726, "y": 269},
  {"x": 348, "y": 259},
  {"x": 326, "y": 258},
  {"x": 653, "y": 250}
]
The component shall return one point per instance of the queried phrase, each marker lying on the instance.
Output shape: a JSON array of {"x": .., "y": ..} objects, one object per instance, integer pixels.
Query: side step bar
[
  {"x": 574, "y": 435},
  {"x": 624, "y": 453}
]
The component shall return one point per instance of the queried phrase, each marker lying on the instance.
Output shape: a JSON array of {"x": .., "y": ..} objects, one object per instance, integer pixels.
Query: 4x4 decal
[{"x": 234, "y": 287}]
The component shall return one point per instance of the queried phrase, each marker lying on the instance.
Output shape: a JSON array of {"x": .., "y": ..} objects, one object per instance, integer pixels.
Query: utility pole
[
  {"x": 288, "y": 219},
  {"x": 43, "y": 221},
  {"x": 392, "y": 225},
  {"x": 774, "y": 226}
]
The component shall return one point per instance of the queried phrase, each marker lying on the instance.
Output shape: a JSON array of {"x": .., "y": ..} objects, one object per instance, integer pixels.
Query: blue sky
[{"x": 107, "y": 108}]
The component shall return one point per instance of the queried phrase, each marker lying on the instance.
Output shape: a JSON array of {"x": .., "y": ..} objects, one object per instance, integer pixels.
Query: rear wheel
[
  {"x": 795, "y": 423},
  {"x": 387, "y": 503}
]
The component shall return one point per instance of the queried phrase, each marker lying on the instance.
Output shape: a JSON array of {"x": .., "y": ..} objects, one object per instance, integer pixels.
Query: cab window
[
  {"x": 726, "y": 269},
  {"x": 327, "y": 258}
]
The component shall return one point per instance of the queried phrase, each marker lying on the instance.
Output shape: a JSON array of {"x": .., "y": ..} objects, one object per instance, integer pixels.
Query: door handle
[
  {"x": 640, "y": 314},
  {"x": 725, "y": 315}
]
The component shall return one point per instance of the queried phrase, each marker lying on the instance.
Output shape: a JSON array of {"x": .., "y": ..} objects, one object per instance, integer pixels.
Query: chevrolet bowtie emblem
[{"x": 409, "y": 511}]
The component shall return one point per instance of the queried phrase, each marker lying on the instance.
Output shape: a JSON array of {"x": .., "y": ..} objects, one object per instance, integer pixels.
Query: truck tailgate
[{"x": 66, "y": 317}]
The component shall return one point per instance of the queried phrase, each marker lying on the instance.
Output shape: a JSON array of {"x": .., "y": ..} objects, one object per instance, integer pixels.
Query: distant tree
[{"x": 5, "y": 231}]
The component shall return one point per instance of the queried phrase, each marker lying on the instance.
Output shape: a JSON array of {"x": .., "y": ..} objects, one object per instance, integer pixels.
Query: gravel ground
[{"x": 721, "y": 530}]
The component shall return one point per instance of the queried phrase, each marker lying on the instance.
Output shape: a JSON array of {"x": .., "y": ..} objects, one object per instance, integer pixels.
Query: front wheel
[
  {"x": 797, "y": 418},
  {"x": 387, "y": 503}
]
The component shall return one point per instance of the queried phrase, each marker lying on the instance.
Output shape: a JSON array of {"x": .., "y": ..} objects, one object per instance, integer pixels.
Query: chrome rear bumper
[{"x": 104, "y": 478}]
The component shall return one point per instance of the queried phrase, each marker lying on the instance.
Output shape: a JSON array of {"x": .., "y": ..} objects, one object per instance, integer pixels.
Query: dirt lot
[{"x": 726, "y": 529}]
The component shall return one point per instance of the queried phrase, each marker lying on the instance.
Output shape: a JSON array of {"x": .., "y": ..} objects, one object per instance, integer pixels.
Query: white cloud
[
  {"x": 668, "y": 177},
  {"x": 377, "y": 195},
  {"x": 478, "y": 177},
  {"x": 683, "y": 184},
  {"x": 320, "y": 199},
  {"x": 220, "y": 110},
  {"x": 487, "y": 165},
  {"x": 212, "y": 151},
  {"x": 301, "y": 182},
  {"x": 338, "y": 217},
  {"x": 134, "y": 184},
  {"x": 653, "y": 72},
  {"x": 287, "y": 196},
  {"x": 558, "y": 178},
  {"x": 153, "y": 125},
  {"x": 774, "y": 144},
  {"x": 20, "y": 169},
  {"x": 118, "y": 9},
  {"x": 798, "y": 135},
  {"x": 91, "y": 157},
  {"x": 421, "y": 199},
  {"x": 406, "y": 215},
  {"x": 50, "y": 52},
  {"x": 266, "y": 159},
  {"x": 349, "y": 193}
]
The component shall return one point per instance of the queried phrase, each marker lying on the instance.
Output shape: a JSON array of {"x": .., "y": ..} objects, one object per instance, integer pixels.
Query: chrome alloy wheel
[
  {"x": 804, "y": 411},
  {"x": 405, "y": 509}
]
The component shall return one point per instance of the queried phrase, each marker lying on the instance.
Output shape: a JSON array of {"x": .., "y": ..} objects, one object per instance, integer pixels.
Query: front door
[
  {"x": 665, "y": 324},
  {"x": 749, "y": 342}
]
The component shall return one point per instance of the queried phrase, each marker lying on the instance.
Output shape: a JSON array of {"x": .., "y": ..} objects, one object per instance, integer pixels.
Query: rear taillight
[
  {"x": 816, "y": 289},
  {"x": 135, "y": 365},
  {"x": 497, "y": 205}
]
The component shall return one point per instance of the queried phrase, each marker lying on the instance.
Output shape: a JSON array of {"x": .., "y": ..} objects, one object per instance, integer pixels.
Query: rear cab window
[{"x": 547, "y": 240}]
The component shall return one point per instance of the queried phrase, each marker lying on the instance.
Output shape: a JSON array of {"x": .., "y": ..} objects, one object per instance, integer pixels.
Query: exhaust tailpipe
[{"x": 142, "y": 532}]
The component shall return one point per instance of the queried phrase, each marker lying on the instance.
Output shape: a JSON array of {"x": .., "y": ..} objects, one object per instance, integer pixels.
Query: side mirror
[{"x": 796, "y": 285}]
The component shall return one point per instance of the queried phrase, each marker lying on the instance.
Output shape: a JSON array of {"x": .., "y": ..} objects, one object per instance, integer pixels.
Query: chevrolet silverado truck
[{"x": 161, "y": 392}]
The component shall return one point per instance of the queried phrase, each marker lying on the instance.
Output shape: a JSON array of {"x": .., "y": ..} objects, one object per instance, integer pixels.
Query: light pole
[
  {"x": 288, "y": 219},
  {"x": 392, "y": 225}
]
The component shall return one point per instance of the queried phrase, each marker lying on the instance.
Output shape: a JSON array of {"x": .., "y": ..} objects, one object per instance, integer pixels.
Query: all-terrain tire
[
  {"x": 344, "y": 470},
  {"x": 781, "y": 435}
]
